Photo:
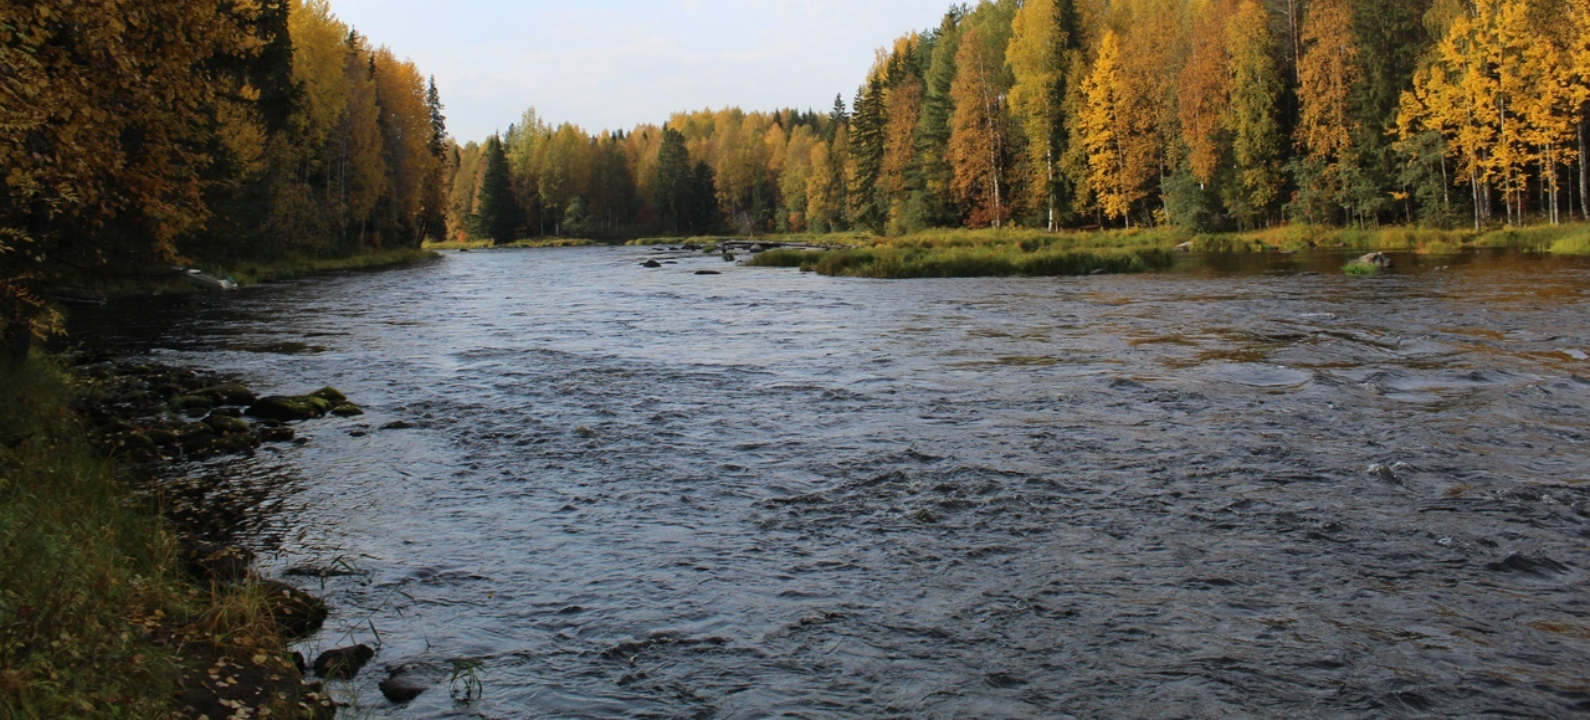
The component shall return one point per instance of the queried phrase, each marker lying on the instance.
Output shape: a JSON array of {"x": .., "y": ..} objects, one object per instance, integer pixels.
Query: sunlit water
[{"x": 650, "y": 493}]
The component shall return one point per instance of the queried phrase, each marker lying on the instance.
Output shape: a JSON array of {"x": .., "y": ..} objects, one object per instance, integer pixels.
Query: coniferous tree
[
  {"x": 674, "y": 175},
  {"x": 497, "y": 218}
]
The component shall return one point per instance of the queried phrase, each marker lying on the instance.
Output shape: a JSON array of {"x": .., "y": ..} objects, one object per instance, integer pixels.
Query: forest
[
  {"x": 135, "y": 136},
  {"x": 1205, "y": 115}
]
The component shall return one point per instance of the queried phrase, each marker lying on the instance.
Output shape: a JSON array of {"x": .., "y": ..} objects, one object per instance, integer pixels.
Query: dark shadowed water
[{"x": 648, "y": 493}]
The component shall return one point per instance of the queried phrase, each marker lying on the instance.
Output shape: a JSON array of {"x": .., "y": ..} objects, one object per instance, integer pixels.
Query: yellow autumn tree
[
  {"x": 1205, "y": 91},
  {"x": 1040, "y": 53},
  {"x": 1117, "y": 135},
  {"x": 1327, "y": 73}
]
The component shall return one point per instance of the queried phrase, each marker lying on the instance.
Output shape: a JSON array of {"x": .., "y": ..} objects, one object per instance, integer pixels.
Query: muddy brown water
[{"x": 648, "y": 493}]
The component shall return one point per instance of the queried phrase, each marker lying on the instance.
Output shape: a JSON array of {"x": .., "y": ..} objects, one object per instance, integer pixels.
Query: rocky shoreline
[{"x": 152, "y": 417}]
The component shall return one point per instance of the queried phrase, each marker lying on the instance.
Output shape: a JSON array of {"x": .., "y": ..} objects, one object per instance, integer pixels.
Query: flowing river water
[{"x": 651, "y": 493}]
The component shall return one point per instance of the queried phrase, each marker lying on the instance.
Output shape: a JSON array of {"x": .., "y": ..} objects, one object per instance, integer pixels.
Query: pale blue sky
[{"x": 611, "y": 64}]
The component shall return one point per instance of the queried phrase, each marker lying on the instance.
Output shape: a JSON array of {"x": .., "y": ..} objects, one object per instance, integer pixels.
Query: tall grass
[
  {"x": 97, "y": 618},
  {"x": 1560, "y": 239},
  {"x": 250, "y": 273},
  {"x": 956, "y": 260}
]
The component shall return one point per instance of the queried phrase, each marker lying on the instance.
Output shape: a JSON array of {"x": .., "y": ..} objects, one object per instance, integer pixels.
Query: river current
[{"x": 1247, "y": 487}]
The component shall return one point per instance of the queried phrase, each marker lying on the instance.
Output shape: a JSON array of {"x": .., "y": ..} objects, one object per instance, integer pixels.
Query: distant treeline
[
  {"x": 1201, "y": 114},
  {"x": 139, "y": 133}
]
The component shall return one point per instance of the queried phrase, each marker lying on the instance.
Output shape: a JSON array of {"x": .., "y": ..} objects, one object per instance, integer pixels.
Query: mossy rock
[
  {"x": 330, "y": 394},
  {"x": 284, "y": 408},
  {"x": 347, "y": 410},
  {"x": 135, "y": 445},
  {"x": 192, "y": 402},
  {"x": 227, "y": 425},
  {"x": 279, "y": 434},
  {"x": 194, "y": 435},
  {"x": 234, "y": 445},
  {"x": 296, "y": 612},
  {"x": 228, "y": 394},
  {"x": 164, "y": 437}
]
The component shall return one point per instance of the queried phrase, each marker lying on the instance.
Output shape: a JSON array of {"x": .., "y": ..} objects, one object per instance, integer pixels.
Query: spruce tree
[{"x": 498, "y": 216}]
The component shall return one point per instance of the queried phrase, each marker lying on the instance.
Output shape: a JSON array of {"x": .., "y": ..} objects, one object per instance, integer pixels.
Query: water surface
[{"x": 649, "y": 493}]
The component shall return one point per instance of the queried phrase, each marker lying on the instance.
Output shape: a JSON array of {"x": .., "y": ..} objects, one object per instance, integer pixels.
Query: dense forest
[
  {"x": 136, "y": 135},
  {"x": 1199, "y": 114}
]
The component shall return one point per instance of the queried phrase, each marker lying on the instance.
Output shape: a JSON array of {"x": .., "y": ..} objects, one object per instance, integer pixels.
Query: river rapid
[{"x": 1249, "y": 486}]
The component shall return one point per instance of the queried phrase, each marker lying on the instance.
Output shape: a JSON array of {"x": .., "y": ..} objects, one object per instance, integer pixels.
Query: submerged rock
[
  {"x": 406, "y": 682},
  {"x": 651, "y": 264},
  {"x": 343, "y": 663}
]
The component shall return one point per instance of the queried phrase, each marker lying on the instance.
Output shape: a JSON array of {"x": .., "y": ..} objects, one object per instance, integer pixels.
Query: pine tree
[
  {"x": 673, "y": 179},
  {"x": 865, "y": 165},
  {"x": 497, "y": 218}
]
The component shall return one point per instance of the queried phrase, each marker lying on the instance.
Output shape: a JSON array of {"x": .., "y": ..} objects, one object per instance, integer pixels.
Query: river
[{"x": 651, "y": 493}]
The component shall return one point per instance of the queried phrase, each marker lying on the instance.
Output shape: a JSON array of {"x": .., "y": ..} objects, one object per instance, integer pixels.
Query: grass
[
  {"x": 253, "y": 273},
  {"x": 1361, "y": 269},
  {"x": 993, "y": 260},
  {"x": 97, "y": 617},
  {"x": 966, "y": 253}
]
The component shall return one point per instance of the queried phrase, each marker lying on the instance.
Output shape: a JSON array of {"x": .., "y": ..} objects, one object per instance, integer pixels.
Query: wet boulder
[
  {"x": 227, "y": 394},
  {"x": 224, "y": 424},
  {"x": 406, "y": 682},
  {"x": 651, "y": 264},
  {"x": 347, "y": 410},
  {"x": 1376, "y": 259},
  {"x": 287, "y": 408},
  {"x": 296, "y": 612},
  {"x": 192, "y": 402},
  {"x": 343, "y": 663},
  {"x": 330, "y": 395},
  {"x": 276, "y": 434}
]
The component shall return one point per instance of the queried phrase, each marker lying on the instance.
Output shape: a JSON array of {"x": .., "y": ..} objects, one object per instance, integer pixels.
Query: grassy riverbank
[
  {"x": 518, "y": 244},
  {"x": 252, "y": 273},
  {"x": 98, "y": 616},
  {"x": 973, "y": 253}
]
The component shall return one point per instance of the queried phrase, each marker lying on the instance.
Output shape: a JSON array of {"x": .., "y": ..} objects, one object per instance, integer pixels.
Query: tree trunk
[
  {"x": 1584, "y": 177},
  {"x": 1474, "y": 185}
]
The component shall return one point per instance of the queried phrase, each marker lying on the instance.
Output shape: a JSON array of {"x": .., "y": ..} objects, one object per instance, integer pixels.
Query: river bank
[{"x": 110, "y": 601}]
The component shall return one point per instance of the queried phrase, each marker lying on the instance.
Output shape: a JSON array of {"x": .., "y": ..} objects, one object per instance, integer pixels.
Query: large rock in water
[
  {"x": 228, "y": 394},
  {"x": 406, "y": 682},
  {"x": 343, "y": 663},
  {"x": 1377, "y": 259},
  {"x": 285, "y": 408}
]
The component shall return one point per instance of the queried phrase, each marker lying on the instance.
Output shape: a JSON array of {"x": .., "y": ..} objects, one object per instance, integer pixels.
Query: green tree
[
  {"x": 674, "y": 174},
  {"x": 1255, "y": 130},
  {"x": 497, "y": 219}
]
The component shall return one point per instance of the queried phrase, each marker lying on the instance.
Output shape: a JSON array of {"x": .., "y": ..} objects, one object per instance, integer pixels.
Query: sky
[{"x": 615, "y": 64}]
